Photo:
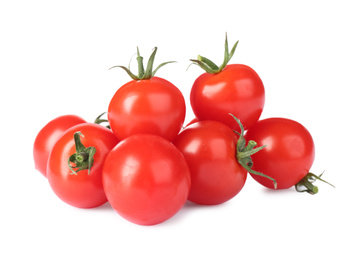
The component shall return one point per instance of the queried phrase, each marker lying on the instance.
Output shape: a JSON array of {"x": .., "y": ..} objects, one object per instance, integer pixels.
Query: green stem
[
  {"x": 208, "y": 62},
  {"x": 83, "y": 158},
  {"x": 144, "y": 74},
  {"x": 258, "y": 173},
  {"x": 209, "y": 66},
  {"x": 244, "y": 153},
  {"x": 305, "y": 185},
  {"x": 140, "y": 65},
  {"x": 99, "y": 120}
]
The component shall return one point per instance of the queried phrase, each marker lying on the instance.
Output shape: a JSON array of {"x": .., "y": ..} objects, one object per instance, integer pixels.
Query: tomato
[
  {"x": 289, "y": 153},
  {"x": 153, "y": 106},
  {"x": 147, "y": 104},
  {"x": 210, "y": 150},
  {"x": 75, "y": 164},
  {"x": 237, "y": 90},
  {"x": 146, "y": 179},
  {"x": 48, "y": 136},
  {"x": 234, "y": 88}
]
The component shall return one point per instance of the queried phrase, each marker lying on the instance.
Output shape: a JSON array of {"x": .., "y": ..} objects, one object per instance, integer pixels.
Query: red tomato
[
  {"x": 48, "y": 136},
  {"x": 289, "y": 153},
  {"x": 237, "y": 89},
  {"x": 146, "y": 179},
  {"x": 210, "y": 150},
  {"x": 152, "y": 106},
  {"x": 147, "y": 104},
  {"x": 82, "y": 189}
]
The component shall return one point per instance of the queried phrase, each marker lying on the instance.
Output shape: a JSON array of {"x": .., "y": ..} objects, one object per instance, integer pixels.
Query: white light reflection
[{"x": 211, "y": 90}]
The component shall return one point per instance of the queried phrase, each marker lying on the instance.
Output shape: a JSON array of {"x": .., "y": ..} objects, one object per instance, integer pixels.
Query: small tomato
[
  {"x": 75, "y": 164},
  {"x": 147, "y": 104},
  {"x": 146, "y": 179}
]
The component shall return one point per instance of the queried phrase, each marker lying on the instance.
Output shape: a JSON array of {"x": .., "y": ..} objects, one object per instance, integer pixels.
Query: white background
[{"x": 54, "y": 60}]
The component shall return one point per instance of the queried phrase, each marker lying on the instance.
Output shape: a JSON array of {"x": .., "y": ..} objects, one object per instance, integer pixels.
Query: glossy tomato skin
[
  {"x": 80, "y": 190},
  {"x": 152, "y": 106},
  {"x": 146, "y": 179},
  {"x": 237, "y": 90},
  {"x": 210, "y": 151},
  {"x": 289, "y": 153},
  {"x": 48, "y": 136}
]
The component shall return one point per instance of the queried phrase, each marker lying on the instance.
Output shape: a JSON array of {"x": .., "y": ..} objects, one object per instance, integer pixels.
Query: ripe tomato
[
  {"x": 289, "y": 153},
  {"x": 48, "y": 136},
  {"x": 147, "y": 104},
  {"x": 153, "y": 106},
  {"x": 210, "y": 150},
  {"x": 146, "y": 179},
  {"x": 235, "y": 89},
  {"x": 88, "y": 145}
]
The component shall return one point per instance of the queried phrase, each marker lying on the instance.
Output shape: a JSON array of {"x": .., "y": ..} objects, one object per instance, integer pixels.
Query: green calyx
[
  {"x": 83, "y": 158},
  {"x": 144, "y": 73},
  {"x": 305, "y": 185},
  {"x": 211, "y": 67},
  {"x": 99, "y": 120},
  {"x": 244, "y": 152}
]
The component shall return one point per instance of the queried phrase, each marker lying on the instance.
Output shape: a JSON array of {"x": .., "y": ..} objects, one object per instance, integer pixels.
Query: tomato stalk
[
  {"x": 209, "y": 66},
  {"x": 147, "y": 73},
  {"x": 305, "y": 185},
  {"x": 99, "y": 120},
  {"x": 244, "y": 152},
  {"x": 83, "y": 158}
]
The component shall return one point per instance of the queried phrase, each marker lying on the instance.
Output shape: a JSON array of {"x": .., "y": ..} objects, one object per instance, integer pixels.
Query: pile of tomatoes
[{"x": 146, "y": 164}]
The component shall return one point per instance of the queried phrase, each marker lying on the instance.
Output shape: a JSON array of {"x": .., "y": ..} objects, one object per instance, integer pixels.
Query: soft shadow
[
  {"x": 273, "y": 192},
  {"x": 105, "y": 207},
  {"x": 188, "y": 209}
]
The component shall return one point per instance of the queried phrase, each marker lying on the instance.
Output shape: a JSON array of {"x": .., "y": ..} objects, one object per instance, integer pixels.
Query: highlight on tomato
[
  {"x": 75, "y": 164},
  {"x": 218, "y": 159},
  {"x": 224, "y": 89},
  {"x": 147, "y": 104},
  {"x": 288, "y": 155},
  {"x": 146, "y": 179},
  {"x": 47, "y": 137}
]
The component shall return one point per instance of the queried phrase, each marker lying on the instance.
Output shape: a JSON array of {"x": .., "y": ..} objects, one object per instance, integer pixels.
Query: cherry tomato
[
  {"x": 235, "y": 89},
  {"x": 147, "y": 104},
  {"x": 48, "y": 136},
  {"x": 289, "y": 152},
  {"x": 75, "y": 164},
  {"x": 210, "y": 150},
  {"x": 146, "y": 179},
  {"x": 153, "y": 106}
]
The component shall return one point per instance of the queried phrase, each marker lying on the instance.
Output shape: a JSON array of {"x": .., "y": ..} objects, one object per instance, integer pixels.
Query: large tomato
[
  {"x": 234, "y": 88},
  {"x": 146, "y": 179},
  {"x": 75, "y": 164},
  {"x": 48, "y": 136},
  {"x": 289, "y": 152},
  {"x": 147, "y": 104}
]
